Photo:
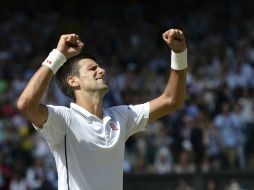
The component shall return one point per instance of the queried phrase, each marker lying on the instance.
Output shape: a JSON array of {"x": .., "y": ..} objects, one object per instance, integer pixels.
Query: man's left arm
[{"x": 175, "y": 90}]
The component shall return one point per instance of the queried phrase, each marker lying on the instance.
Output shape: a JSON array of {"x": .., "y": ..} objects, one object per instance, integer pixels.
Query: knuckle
[{"x": 63, "y": 36}]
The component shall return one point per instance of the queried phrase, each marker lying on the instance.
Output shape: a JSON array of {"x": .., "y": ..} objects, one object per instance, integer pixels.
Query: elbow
[
  {"x": 174, "y": 103},
  {"x": 23, "y": 105}
]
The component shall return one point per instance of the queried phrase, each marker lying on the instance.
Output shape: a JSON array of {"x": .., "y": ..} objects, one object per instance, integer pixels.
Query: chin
[{"x": 103, "y": 87}]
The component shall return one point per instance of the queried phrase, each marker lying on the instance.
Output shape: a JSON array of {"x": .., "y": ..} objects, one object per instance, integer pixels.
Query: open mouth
[{"x": 99, "y": 79}]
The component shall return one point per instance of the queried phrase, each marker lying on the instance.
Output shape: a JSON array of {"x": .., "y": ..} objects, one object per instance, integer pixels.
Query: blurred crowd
[{"x": 213, "y": 131}]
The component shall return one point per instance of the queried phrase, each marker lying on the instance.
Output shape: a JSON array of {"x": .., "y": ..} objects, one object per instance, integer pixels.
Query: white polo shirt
[{"x": 94, "y": 148}]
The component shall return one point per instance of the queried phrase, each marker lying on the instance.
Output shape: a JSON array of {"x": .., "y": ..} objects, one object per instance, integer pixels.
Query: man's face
[{"x": 91, "y": 76}]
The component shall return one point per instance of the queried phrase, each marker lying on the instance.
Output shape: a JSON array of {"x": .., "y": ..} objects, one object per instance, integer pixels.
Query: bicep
[{"x": 160, "y": 107}]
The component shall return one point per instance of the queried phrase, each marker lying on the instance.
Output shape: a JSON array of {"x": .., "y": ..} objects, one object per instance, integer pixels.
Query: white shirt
[{"x": 95, "y": 147}]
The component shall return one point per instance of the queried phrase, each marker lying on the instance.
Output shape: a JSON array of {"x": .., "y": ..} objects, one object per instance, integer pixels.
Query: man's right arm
[{"x": 29, "y": 101}]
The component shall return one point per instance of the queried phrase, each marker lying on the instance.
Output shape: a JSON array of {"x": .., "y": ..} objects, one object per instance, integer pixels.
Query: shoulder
[
  {"x": 58, "y": 108},
  {"x": 128, "y": 109},
  {"x": 121, "y": 109}
]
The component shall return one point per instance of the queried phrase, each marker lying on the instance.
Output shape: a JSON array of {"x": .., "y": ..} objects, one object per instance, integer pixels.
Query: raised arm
[
  {"x": 175, "y": 90},
  {"x": 29, "y": 101}
]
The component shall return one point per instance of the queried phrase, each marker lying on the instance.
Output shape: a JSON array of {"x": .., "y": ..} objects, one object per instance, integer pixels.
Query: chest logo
[{"x": 113, "y": 126}]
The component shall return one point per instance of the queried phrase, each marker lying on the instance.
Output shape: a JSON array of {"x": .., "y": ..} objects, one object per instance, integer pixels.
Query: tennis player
[{"x": 86, "y": 140}]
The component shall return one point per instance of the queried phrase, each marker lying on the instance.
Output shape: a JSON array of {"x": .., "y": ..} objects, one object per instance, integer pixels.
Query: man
[{"x": 88, "y": 142}]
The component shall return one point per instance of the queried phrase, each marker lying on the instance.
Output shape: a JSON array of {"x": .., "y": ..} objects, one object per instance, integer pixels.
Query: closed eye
[{"x": 93, "y": 68}]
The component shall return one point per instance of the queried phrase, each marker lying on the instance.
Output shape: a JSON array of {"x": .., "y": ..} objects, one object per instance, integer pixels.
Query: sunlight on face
[{"x": 92, "y": 76}]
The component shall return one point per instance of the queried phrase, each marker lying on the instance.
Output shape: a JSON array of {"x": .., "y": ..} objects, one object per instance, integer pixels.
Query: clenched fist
[
  {"x": 70, "y": 45},
  {"x": 175, "y": 39}
]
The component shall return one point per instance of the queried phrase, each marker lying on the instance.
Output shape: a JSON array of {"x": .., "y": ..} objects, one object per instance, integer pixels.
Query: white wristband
[
  {"x": 54, "y": 60},
  {"x": 179, "y": 60}
]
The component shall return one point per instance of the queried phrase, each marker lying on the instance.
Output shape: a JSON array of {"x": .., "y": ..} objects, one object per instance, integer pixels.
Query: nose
[{"x": 101, "y": 71}]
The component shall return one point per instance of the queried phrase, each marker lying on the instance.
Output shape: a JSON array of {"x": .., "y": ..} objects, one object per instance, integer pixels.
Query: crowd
[{"x": 214, "y": 129}]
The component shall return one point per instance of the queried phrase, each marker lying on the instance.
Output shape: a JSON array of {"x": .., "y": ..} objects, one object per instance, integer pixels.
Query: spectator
[
  {"x": 228, "y": 135},
  {"x": 185, "y": 164},
  {"x": 18, "y": 182},
  {"x": 163, "y": 161},
  {"x": 36, "y": 177}
]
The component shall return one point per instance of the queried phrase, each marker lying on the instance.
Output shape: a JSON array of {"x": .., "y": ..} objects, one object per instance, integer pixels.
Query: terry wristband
[
  {"x": 179, "y": 60},
  {"x": 54, "y": 60}
]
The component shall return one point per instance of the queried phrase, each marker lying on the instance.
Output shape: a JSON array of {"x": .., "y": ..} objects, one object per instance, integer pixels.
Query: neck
[{"x": 91, "y": 102}]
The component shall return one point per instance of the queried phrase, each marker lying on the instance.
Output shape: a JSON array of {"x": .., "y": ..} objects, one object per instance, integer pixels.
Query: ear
[{"x": 73, "y": 81}]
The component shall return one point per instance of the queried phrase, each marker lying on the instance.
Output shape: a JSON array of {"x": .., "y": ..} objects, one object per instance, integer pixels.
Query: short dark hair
[{"x": 70, "y": 68}]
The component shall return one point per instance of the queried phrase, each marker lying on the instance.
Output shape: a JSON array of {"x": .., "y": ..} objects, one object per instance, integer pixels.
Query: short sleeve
[
  {"x": 138, "y": 116},
  {"x": 55, "y": 127}
]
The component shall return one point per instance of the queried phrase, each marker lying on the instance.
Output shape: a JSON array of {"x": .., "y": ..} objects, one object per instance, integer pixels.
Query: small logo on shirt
[{"x": 113, "y": 126}]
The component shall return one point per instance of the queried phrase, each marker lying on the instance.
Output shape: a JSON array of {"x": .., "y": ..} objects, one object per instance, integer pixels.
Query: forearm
[
  {"x": 35, "y": 89},
  {"x": 175, "y": 89},
  {"x": 172, "y": 97}
]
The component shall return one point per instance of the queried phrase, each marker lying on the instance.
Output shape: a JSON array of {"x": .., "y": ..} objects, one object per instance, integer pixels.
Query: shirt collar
[
  {"x": 87, "y": 114},
  {"x": 84, "y": 112}
]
